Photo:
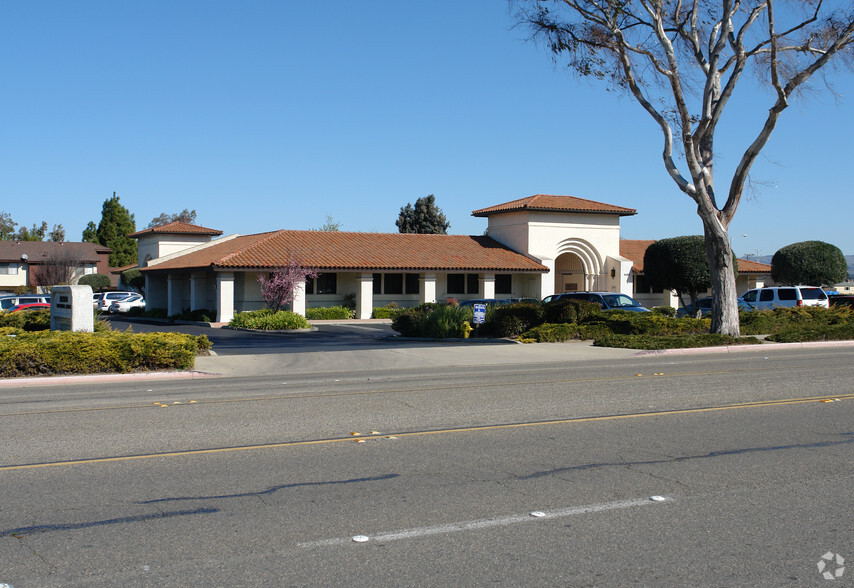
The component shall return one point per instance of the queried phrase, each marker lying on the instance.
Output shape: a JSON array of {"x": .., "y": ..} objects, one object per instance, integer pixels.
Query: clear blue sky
[{"x": 270, "y": 114}]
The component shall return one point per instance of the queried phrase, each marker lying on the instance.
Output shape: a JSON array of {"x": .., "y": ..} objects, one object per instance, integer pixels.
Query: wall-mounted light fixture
[{"x": 613, "y": 272}]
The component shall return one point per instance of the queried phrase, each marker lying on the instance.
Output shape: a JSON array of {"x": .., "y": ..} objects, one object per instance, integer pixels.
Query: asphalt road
[{"x": 259, "y": 482}]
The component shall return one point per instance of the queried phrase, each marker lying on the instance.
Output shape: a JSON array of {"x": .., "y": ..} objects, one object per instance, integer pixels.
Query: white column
[
  {"x": 365, "y": 297},
  {"x": 224, "y": 297},
  {"x": 547, "y": 280},
  {"x": 173, "y": 288},
  {"x": 298, "y": 305},
  {"x": 198, "y": 284},
  {"x": 428, "y": 288},
  {"x": 487, "y": 285}
]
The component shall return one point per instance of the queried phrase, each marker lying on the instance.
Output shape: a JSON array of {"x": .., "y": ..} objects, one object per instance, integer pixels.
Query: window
[
  {"x": 378, "y": 284},
  {"x": 787, "y": 294},
  {"x": 322, "y": 284},
  {"x": 8, "y": 269},
  {"x": 393, "y": 284},
  {"x": 413, "y": 284},
  {"x": 456, "y": 283},
  {"x": 766, "y": 295},
  {"x": 503, "y": 284},
  {"x": 642, "y": 286},
  {"x": 472, "y": 284}
]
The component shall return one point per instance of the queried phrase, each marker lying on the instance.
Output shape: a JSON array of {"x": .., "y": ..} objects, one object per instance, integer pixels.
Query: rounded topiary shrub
[
  {"x": 568, "y": 311},
  {"x": 96, "y": 281},
  {"x": 513, "y": 319}
]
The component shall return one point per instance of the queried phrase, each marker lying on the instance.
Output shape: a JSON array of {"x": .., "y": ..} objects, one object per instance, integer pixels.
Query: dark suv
[{"x": 606, "y": 300}]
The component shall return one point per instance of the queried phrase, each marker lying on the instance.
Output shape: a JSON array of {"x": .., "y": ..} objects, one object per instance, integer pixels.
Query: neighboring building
[
  {"x": 534, "y": 247},
  {"x": 22, "y": 262}
]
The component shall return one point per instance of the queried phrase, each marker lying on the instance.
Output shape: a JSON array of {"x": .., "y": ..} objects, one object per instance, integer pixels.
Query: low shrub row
[
  {"x": 24, "y": 353},
  {"x": 200, "y": 315},
  {"x": 269, "y": 320},
  {"x": 326, "y": 313}
]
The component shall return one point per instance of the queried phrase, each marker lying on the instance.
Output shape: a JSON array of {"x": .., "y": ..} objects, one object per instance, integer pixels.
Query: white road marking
[{"x": 487, "y": 523}]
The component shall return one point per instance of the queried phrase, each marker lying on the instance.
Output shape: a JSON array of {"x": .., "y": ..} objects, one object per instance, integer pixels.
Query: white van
[{"x": 783, "y": 296}]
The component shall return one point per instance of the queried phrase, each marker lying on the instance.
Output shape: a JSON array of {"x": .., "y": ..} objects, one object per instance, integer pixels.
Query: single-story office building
[{"x": 533, "y": 247}]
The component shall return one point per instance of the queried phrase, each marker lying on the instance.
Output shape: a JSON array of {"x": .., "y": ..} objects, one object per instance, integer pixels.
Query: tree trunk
[{"x": 722, "y": 273}]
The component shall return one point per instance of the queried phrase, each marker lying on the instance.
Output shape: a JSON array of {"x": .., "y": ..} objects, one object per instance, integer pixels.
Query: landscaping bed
[{"x": 577, "y": 320}]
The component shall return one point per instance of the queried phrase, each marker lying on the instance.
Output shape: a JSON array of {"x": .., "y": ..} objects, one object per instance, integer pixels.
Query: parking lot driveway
[{"x": 328, "y": 337}]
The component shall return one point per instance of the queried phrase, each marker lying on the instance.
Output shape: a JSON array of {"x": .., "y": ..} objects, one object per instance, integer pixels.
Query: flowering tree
[{"x": 280, "y": 287}]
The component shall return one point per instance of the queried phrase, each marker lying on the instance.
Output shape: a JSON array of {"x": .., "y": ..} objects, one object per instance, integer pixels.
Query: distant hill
[{"x": 767, "y": 259}]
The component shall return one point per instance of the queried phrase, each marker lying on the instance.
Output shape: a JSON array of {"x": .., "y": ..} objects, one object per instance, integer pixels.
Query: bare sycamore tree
[
  {"x": 57, "y": 268},
  {"x": 279, "y": 288},
  {"x": 681, "y": 61}
]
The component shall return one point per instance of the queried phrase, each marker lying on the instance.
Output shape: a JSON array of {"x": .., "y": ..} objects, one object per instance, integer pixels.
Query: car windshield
[{"x": 619, "y": 300}]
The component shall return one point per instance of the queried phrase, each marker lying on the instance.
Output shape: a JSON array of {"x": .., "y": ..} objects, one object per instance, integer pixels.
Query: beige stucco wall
[
  {"x": 592, "y": 239},
  {"x": 14, "y": 280},
  {"x": 157, "y": 245}
]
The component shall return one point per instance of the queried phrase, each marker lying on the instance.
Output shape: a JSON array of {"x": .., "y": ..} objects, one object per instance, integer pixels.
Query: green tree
[
  {"x": 681, "y": 62},
  {"x": 185, "y": 216},
  {"x": 96, "y": 281},
  {"x": 37, "y": 233},
  {"x": 425, "y": 217},
  {"x": 116, "y": 224},
  {"x": 814, "y": 263},
  {"x": 57, "y": 235},
  {"x": 330, "y": 226},
  {"x": 90, "y": 233},
  {"x": 7, "y": 227},
  {"x": 134, "y": 278},
  {"x": 680, "y": 264}
]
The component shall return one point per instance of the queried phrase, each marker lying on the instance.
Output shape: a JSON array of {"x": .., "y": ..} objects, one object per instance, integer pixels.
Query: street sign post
[{"x": 479, "y": 314}]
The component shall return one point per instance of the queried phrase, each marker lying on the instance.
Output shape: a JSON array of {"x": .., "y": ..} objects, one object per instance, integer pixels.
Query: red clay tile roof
[
  {"x": 38, "y": 251},
  {"x": 544, "y": 202},
  {"x": 177, "y": 228},
  {"x": 634, "y": 250},
  {"x": 747, "y": 266},
  {"x": 355, "y": 251}
]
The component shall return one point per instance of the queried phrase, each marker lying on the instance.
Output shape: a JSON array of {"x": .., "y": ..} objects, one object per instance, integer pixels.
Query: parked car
[
  {"x": 30, "y": 306},
  {"x": 124, "y": 305},
  {"x": 7, "y": 302},
  {"x": 703, "y": 305},
  {"x": 841, "y": 300},
  {"x": 783, "y": 297},
  {"x": 105, "y": 299},
  {"x": 606, "y": 300}
]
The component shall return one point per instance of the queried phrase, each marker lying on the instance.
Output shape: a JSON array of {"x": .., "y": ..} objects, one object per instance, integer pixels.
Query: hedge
[
  {"x": 269, "y": 320},
  {"x": 672, "y": 341},
  {"x": 327, "y": 313},
  {"x": 49, "y": 353}
]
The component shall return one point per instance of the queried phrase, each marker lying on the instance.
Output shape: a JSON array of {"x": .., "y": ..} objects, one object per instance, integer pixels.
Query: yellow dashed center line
[{"x": 349, "y": 438}]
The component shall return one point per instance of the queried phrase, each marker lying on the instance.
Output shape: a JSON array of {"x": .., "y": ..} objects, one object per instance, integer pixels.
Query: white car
[
  {"x": 783, "y": 297},
  {"x": 105, "y": 299},
  {"x": 124, "y": 305}
]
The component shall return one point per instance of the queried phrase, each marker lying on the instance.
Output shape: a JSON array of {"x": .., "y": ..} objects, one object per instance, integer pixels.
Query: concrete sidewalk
[{"x": 446, "y": 355}]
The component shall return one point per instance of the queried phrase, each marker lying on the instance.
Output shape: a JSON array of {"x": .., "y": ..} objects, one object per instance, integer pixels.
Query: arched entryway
[{"x": 577, "y": 267}]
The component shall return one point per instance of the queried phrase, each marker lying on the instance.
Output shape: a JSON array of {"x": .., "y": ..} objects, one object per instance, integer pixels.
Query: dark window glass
[
  {"x": 413, "y": 284},
  {"x": 472, "y": 284},
  {"x": 750, "y": 296},
  {"x": 766, "y": 295},
  {"x": 503, "y": 284},
  {"x": 456, "y": 283},
  {"x": 787, "y": 294},
  {"x": 393, "y": 284},
  {"x": 813, "y": 294},
  {"x": 309, "y": 286},
  {"x": 378, "y": 283},
  {"x": 326, "y": 284}
]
